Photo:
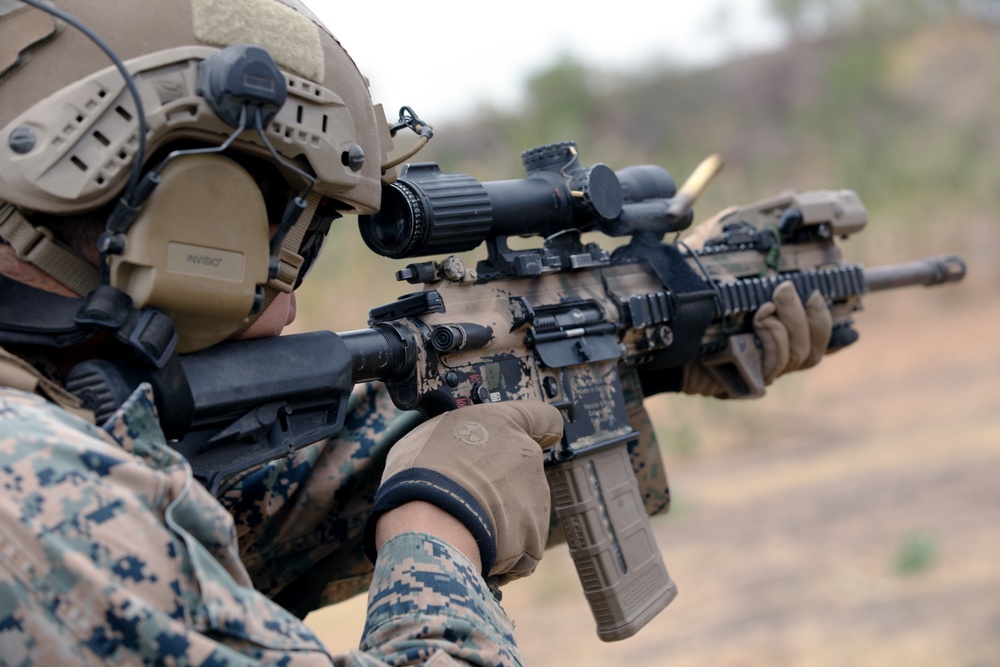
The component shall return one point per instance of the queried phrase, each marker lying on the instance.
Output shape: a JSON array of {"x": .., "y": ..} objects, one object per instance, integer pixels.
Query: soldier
[
  {"x": 109, "y": 551},
  {"x": 125, "y": 202}
]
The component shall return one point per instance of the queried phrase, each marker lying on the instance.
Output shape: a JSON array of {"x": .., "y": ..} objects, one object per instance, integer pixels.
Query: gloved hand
[
  {"x": 483, "y": 465},
  {"x": 792, "y": 337}
]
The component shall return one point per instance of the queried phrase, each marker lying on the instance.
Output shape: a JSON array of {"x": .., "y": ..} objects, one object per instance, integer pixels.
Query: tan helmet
[
  {"x": 67, "y": 139},
  {"x": 69, "y": 144}
]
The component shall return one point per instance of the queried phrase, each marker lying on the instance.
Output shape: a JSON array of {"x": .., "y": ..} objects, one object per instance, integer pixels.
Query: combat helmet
[{"x": 261, "y": 81}]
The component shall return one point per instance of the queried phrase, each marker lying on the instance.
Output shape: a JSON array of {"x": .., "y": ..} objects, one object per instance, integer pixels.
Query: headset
[{"x": 171, "y": 278}]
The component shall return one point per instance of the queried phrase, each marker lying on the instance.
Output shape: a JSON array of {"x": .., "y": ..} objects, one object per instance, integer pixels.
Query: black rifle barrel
[{"x": 928, "y": 271}]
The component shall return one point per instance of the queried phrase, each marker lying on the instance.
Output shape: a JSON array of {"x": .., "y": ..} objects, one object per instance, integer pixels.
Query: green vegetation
[
  {"x": 916, "y": 553},
  {"x": 812, "y": 18}
]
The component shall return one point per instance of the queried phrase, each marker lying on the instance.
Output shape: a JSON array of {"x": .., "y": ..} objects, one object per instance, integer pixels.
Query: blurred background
[{"x": 853, "y": 514}]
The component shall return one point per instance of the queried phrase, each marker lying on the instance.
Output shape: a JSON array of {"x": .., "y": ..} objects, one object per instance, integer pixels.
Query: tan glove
[
  {"x": 792, "y": 337},
  {"x": 483, "y": 465}
]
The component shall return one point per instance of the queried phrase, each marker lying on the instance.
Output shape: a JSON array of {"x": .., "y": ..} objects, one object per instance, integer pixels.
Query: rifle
[{"x": 553, "y": 323}]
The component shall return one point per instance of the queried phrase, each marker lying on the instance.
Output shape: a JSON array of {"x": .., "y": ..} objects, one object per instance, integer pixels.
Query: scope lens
[{"x": 392, "y": 231}]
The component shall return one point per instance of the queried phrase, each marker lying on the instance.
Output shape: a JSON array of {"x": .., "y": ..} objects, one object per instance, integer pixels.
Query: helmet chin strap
[
  {"x": 36, "y": 246},
  {"x": 289, "y": 261},
  {"x": 34, "y": 316}
]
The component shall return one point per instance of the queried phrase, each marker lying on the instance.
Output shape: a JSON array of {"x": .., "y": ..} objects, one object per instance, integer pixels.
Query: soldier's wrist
[{"x": 423, "y": 517}]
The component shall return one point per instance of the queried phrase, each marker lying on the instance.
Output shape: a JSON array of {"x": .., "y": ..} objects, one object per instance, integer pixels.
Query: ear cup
[{"x": 198, "y": 249}]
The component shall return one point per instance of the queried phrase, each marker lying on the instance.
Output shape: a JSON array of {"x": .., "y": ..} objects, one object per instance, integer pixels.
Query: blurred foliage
[
  {"x": 812, "y": 18},
  {"x": 905, "y": 115},
  {"x": 681, "y": 440}
]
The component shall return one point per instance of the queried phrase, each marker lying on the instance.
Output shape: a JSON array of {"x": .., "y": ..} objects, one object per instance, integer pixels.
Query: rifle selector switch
[{"x": 551, "y": 386}]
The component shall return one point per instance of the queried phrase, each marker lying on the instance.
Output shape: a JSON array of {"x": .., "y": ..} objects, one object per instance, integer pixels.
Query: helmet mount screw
[
  {"x": 22, "y": 140},
  {"x": 354, "y": 157}
]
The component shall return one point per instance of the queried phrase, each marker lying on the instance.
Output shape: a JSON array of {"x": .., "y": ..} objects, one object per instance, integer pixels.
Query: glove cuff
[{"x": 441, "y": 491}]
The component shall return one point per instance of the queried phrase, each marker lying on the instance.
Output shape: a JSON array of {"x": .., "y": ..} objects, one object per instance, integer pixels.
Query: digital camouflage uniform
[
  {"x": 110, "y": 550},
  {"x": 106, "y": 538},
  {"x": 299, "y": 520}
]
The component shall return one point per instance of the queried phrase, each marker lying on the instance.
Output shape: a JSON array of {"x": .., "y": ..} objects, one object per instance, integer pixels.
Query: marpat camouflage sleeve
[
  {"x": 111, "y": 553},
  {"x": 300, "y": 518},
  {"x": 429, "y": 604}
]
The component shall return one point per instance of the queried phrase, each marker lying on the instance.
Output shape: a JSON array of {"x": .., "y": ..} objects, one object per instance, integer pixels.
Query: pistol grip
[{"x": 596, "y": 498}]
